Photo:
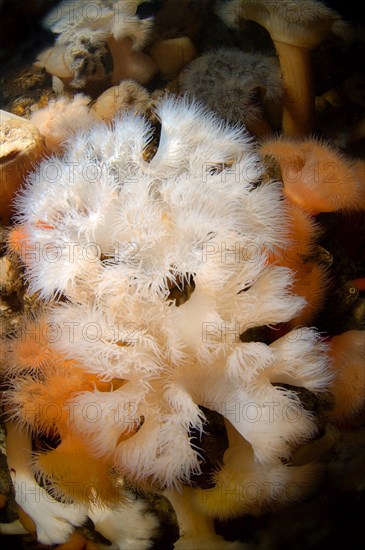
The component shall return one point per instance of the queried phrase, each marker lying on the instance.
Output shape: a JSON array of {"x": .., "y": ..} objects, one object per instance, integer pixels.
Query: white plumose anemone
[{"x": 162, "y": 265}]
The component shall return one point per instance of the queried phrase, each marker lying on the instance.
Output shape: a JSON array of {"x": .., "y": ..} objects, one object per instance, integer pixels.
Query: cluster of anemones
[
  {"x": 175, "y": 275},
  {"x": 154, "y": 268}
]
